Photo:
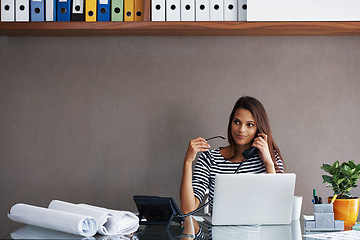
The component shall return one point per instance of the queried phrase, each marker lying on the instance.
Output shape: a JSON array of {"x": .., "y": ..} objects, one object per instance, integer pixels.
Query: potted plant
[{"x": 342, "y": 179}]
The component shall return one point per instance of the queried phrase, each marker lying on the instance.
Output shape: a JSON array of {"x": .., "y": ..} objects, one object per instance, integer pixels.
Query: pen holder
[{"x": 324, "y": 219}]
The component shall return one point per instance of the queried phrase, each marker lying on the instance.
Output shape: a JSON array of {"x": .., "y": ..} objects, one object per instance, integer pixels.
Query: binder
[
  {"x": 50, "y": 10},
  {"x": 139, "y": 10},
  {"x": 63, "y": 10},
  {"x": 172, "y": 10},
  {"x": 230, "y": 10},
  {"x": 7, "y": 10},
  {"x": 117, "y": 10},
  {"x": 129, "y": 6},
  {"x": 103, "y": 10},
  {"x": 216, "y": 10},
  {"x": 22, "y": 10},
  {"x": 242, "y": 10},
  {"x": 78, "y": 10},
  {"x": 37, "y": 11},
  {"x": 158, "y": 10},
  {"x": 187, "y": 12},
  {"x": 90, "y": 8},
  {"x": 202, "y": 12}
]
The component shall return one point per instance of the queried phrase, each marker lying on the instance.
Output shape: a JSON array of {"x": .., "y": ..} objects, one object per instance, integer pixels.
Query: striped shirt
[{"x": 212, "y": 162}]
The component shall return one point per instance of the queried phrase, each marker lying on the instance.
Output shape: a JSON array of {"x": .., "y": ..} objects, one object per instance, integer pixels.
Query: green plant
[{"x": 343, "y": 177}]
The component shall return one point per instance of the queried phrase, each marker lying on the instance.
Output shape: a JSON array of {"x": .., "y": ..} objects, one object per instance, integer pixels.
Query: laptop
[{"x": 251, "y": 199}]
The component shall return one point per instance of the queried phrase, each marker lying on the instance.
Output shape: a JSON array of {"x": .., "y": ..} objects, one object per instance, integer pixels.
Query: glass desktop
[{"x": 192, "y": 228}]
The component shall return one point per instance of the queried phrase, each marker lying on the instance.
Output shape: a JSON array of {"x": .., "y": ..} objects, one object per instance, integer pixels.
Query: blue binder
[
  {"x": 55, "y": 8},
  {"x": 37, "y": 9},
  {"x": 63, "y": 12},
  {"x": 103, "y": 10}
]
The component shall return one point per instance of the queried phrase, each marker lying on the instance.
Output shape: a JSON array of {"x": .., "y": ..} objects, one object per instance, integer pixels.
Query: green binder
[{"x": 117, "y": 10}]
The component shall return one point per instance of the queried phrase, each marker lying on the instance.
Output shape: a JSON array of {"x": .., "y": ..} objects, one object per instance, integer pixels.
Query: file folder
[
  {"x": 230, "y": 10},
  {"x": 103, "y": 10},
  {"x": 158, "y": 10},
  {"x": 7, "y": 10},
  {"x": 50, "y": 10},
  {"x": 242, "y": 10},
  {"x": 37, "y": 11},
  {"x": 22, "y": 11},
  {"x": 117, "y": 10},
  {"x": 139, "y": 10},
  {"x": 63, "y": 10},
  {"x": 202, "y": 12},
  {"x": 187, "y": 12},
  {"x": 78, "y": 10},
  {"x": 90, "y": 8},
  {"x": 129, "y": 6},
  {"x": 172, "y": 10},
  {"x": 216, "y": 10}
]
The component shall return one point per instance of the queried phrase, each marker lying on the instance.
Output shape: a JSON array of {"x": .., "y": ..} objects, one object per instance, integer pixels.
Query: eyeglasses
[{"x": 210, "y": 138}]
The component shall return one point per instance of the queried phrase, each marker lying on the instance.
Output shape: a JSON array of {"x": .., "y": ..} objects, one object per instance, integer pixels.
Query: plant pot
[{"x": 346, "y": 210}]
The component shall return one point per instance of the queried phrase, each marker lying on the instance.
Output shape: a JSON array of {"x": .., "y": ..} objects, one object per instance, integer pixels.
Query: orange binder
[
  {"x": 139, "y": 10},
  {"x": 129, "y": 7}
]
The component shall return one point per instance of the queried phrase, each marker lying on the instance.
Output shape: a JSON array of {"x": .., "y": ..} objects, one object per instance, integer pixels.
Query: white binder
[
  {"x": 78, "y": 7},
  {"x": 216, "y": 10},
  {"x": 172, "y": 10},
  {"x": 22, "y": 12},
  {"x": 305, "y": 10},
  {"x": 202, "y": 12},
  {"x": 187, "y": 12},
  {"x": 158, "y": 10},
  {"x": 49, "y": 10},
  {"x": 7, "y": 10},
  {"x": 242, "y": 10},
  {"x": 230, "y": 10}
]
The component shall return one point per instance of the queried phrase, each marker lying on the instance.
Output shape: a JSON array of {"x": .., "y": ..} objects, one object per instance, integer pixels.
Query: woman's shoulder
[{"x": 211, "y": 155}]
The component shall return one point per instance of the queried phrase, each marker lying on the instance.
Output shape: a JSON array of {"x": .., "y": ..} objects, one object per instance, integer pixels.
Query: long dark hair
[{"x": 262, "y": 122}]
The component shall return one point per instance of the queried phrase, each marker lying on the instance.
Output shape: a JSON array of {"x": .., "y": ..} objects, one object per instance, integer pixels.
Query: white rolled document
[
  {"x": 127, "y": 221},
  {"x": 53, "y": 219},
  {"x": 109, "y": 222}
]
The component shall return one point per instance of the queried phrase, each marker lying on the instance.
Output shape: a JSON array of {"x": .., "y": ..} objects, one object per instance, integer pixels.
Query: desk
[{"x": 293, "y": 231}]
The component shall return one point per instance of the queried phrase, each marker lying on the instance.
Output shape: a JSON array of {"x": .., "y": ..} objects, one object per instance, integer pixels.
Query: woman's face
[{"x": 243, "y": 127}]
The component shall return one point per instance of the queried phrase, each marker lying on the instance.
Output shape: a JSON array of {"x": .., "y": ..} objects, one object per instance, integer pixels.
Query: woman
[{"x": 248, "y": 127}]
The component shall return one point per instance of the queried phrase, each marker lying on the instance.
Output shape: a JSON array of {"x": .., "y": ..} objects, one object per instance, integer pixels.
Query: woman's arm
[{"x": 188, "y": 201}]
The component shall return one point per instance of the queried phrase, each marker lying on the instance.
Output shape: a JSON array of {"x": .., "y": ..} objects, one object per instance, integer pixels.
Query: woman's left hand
[{"x": 261, "y": 143}]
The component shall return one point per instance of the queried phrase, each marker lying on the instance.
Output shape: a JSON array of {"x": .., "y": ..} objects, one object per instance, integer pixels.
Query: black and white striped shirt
[{"x": 212, "y": 162}]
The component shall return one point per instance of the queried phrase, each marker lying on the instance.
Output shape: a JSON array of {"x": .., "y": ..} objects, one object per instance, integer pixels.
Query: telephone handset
[{"x": 248, "y": 153}]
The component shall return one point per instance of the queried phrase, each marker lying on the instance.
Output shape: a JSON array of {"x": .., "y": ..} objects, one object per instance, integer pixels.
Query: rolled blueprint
[
  {"x": 127, "y": 221},
  {"x": 53, "y": 219},
  {"x": 107, "y": 223}
]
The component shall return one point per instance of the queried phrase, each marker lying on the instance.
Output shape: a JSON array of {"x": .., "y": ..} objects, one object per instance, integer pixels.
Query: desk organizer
[{"x": 323, "y": 220}]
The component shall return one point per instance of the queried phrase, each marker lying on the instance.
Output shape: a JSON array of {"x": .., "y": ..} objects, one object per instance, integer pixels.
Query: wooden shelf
[{"x": 179, "y": 28}]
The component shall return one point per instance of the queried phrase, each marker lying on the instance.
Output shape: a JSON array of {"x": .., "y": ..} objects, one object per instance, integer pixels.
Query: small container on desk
[{"x": 323, "y": 220}]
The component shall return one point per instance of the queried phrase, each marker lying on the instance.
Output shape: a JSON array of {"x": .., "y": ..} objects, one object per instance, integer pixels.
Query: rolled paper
[{"x": 53, "y": 219}]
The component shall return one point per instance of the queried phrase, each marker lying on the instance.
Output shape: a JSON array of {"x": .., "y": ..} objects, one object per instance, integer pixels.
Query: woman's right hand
[{"x": 196, "y": 145}]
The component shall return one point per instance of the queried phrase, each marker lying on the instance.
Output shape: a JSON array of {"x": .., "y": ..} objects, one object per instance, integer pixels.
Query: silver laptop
[{"x": 250, "y": 199}]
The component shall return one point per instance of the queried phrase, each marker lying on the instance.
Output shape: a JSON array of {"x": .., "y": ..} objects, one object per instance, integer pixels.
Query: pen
[
  {"x": 333, "y": 199},
  {"x": 315, "y": 198}
]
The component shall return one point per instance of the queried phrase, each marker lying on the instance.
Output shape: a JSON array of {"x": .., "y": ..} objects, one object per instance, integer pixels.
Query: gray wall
[{"x": 100, "y": 119}]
